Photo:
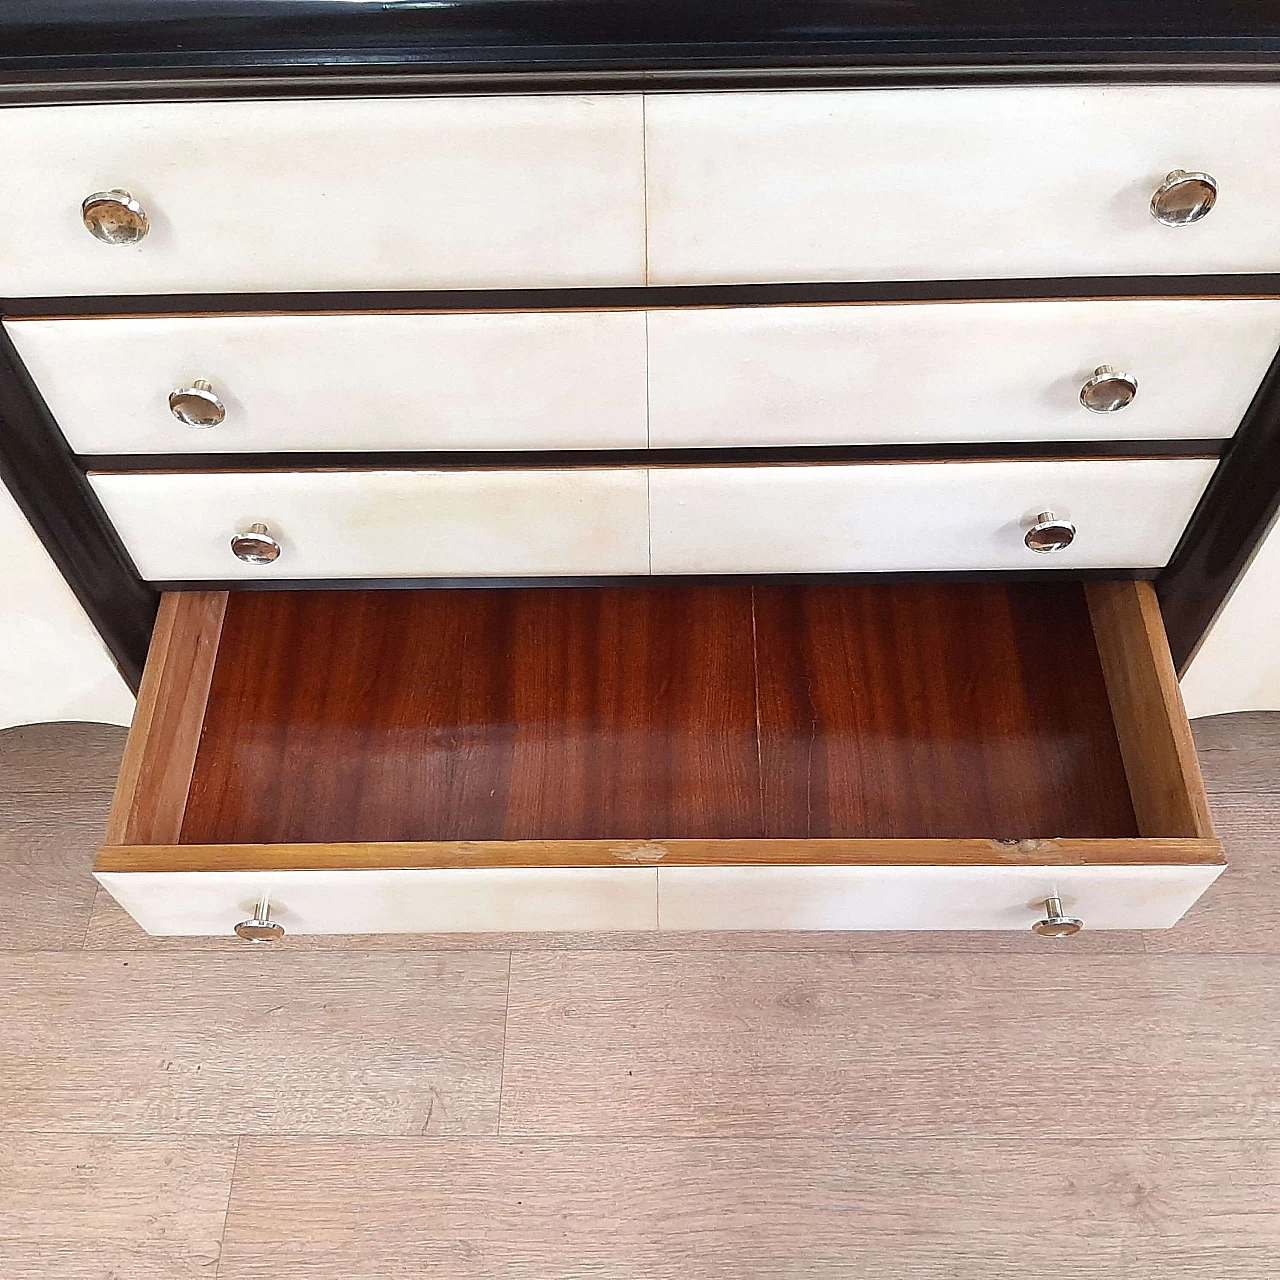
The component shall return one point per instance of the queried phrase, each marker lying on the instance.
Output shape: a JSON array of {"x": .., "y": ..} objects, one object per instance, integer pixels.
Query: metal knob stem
[
  {"x": 255, "y": 545},
  {"x": 1183, "y": 198},
  {"x": 114, "y": 217},
  {"x": 261, "y": 928},
  {"x": 1049, "y": 533},
  {"x": 1056, "y": 924},
  {"x": 1108, "y": 390},
  {"x": 197, "y": 405}
]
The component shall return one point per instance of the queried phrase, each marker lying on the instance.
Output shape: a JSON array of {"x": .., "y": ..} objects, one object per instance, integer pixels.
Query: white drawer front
[
  {"x": 892, "y": 184},
  {"x": 481, "y": 900},
  {"x": 902, "y": 897},
  {"x": 389, "y": 193},
  {"x": 515, "y": 381},
  {"x": 383, "y": 523},
  {"x": 953, "y": 372},
  {"x": 578, "y": 899},
  {"x": 918, "y": 516}
]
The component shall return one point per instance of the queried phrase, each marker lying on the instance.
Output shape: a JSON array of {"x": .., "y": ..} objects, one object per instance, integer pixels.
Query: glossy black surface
[
  {"x": 50, "y": 488},
  {"x": 42, "y": 36}
]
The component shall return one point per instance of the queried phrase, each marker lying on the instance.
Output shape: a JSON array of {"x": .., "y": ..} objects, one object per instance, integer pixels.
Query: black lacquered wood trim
[
  {"x": 223, "y": 81},
  {"x": 645, "y": 297},
  {"x": 50, "y": 488},
  {"x": 336, "y": 46},
  {"x": 1229, "y": 523},
  {"x": 653, "y": 580},
  {"x": 542, "y": 459}
]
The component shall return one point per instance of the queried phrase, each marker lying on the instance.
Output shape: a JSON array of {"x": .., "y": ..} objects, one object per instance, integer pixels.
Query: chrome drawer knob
[
  {"x": 1050, "y": 533},
  {"x": 261, "y": 928},
  {"x": 196, "y": 405},
  {"x": 1183, "y": 198},
  {"x": 255, "y": 545},
  {"x": 1108, "y": 391},
  {"x": 1055, "y": 923},
  {"x": 115, "y": 217}
]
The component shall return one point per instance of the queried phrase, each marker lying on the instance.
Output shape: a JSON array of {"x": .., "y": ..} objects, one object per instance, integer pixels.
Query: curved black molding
[
  {"x": 384, "y": 302},
  {"x": 1229, "y": 523},
  {"x": 40, "y": 471},
  {"x": 327, "y": 41}
]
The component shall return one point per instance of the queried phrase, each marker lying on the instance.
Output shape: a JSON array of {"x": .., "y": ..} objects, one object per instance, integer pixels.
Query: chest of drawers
[{"x": 650, "y": 505}]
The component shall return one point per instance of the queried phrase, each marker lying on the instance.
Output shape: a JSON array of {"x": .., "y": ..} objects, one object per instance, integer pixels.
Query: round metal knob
[
  {"x": 1050, "y": 533},
  {"x": 196, "y": 405},
  {"x": 115, "y": 217},
  {"x": 255, "y": 545},
  {"x": 1056, "y": 924},
  {"x": 1183, "y": 198},
  {"x": 1108, "y": 391},
  {"x": 261, "y": 928}
]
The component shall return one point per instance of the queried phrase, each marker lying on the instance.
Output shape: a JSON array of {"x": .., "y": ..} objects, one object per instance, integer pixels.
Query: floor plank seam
[
  {"x": 506, "y": 1022},
  {"x": 226, "y": 1212}
]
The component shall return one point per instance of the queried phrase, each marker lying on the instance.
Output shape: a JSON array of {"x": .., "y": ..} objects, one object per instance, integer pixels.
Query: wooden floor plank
[
  {"x": 262, "y": 1042},
  {"x": 55, "y": 785},
  {"x": 787, "y": 1044},
  {"x": 1240, "y": 753},
  {"x": 758, "y": 1209},
  {"x": 89, "y": 1206}
]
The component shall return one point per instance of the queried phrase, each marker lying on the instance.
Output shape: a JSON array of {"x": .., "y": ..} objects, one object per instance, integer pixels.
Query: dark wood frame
[{"x": 49, "y": 481}]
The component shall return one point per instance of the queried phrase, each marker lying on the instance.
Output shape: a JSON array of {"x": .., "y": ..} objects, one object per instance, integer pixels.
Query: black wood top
[{"x": 41, "y": 40}]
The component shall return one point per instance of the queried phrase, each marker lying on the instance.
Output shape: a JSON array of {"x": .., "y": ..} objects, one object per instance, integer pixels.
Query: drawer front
[
  {"x": 953, "y": 372},
  {"x": 918, "y": 516},
  {"x": 481, "y": 900},
  {"x": 524, "y": 899},
  {"x": 1150, "y": 897},
  {"x": 388, "y": 524},
  {"x": 392, "y": 193},
  {"x": 911, "y": 184},
  {"x": 516, "y": 381}
]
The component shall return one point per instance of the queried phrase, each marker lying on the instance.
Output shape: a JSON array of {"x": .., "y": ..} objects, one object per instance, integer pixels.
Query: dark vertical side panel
[
  {"x": 39, "y": 469},
  {"x": 1230, "y": 522}
]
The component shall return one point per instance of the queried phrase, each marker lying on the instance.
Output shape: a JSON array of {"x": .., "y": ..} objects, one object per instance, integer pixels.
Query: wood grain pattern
[
  {"x": 766, "y": 1209},
  {"x": 257, "y": 1043},
  {"x": 679, "y": 853},
  {"x": 155, "y": 774},
  {"x": 660, "y": 713},
  {"x": 55, "y": 786},
  {"x": 89, "y": 1206},
  {"x": 1126, "y": 1047},
  {"x": 939, "y": 710},
  {"x": 1155, "y": 738},
  {"x": 550, "y": 714}
]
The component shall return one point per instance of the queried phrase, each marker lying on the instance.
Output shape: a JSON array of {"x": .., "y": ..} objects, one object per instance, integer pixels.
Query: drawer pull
[
  {"x": 1108, "y": 391},
  {"x": 255, "y": 545},
  {"x": 1055, "y": 924},
  {"x": 1050, "y": 533},
  {"x": 261, "y": 928},
  {"x": 197, "y": 406},
  {"x": 115, "y": 217},
  {"x": 1183, "y": 198}
]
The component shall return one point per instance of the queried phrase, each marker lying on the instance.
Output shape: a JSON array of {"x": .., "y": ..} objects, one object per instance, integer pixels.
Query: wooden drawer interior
[{"x": 687, "y": 723}]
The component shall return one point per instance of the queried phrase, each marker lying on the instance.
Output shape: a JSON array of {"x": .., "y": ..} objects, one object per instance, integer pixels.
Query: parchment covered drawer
[
  {"x": 340, "y": 193},
  {"x": 381, "y": 524},
  {"x": 674, "y": 756},
  {"x": 1175, "y": 368},
  {"x": 947, "y": 184}
]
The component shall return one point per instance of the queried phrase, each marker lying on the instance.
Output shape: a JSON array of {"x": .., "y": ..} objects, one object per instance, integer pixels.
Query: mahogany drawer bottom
[{"x": 669, "y": 756}]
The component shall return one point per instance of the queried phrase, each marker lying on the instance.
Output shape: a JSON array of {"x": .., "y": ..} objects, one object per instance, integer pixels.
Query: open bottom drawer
[{"x": 670, "y": 756}]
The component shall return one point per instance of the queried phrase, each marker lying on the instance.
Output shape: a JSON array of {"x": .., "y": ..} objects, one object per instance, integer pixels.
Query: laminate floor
[{"x": 717, "y": 1105}]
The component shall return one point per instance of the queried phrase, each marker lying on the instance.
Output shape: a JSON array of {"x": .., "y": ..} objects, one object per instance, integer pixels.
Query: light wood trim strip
[
  {"x": 687, "y": 853},
  {"x": 1151, "y": 723},
  {"x": 160, "y": 753}
]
